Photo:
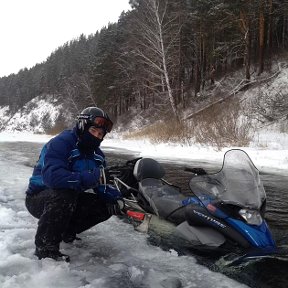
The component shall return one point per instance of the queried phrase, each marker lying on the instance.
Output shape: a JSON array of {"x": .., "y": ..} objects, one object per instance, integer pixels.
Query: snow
[
  {"x": 38, "y": 114},
  {"x": 273, "y": 157},
  {"x": 110, "y": 254},
  {"x": 25, "y": 137}
]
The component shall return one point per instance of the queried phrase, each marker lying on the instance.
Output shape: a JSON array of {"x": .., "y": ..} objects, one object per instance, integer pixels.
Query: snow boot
[
  {"x": 53, "y": 254},
  {"x": 70, "y": 238}
]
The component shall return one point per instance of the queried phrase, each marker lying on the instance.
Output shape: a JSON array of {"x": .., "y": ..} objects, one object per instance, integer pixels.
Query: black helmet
[{"x": 93, "y": 116}]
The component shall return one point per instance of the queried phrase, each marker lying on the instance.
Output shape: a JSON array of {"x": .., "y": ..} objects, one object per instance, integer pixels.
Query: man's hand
[{"x": 109, "y": 193}]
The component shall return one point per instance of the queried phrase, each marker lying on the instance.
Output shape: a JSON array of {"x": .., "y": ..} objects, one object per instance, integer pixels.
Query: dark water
[{"x": 265, "y": 273}]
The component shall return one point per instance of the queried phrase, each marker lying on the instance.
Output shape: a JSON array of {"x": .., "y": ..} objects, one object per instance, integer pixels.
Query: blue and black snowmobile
[{"x": 224, "y": 214}]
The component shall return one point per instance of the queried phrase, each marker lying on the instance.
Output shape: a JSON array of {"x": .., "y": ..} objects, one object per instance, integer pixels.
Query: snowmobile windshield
[{"x": 238, "y": 182}]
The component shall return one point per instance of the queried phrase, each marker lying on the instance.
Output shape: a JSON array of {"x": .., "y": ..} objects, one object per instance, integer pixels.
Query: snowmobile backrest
[{"x": 148, "y": 168}]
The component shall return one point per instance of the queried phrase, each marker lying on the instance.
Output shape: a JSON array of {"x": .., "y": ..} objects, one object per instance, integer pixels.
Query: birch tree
[{"x": 158, "y": 47}]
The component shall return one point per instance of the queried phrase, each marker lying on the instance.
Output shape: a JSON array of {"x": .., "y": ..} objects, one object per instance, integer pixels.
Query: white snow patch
[{"x": 36, "y": 116}]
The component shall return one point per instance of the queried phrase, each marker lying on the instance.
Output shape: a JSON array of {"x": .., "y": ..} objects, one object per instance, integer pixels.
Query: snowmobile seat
[
  {"x": 148, "y": 168},
  {"x": 162, "y": 198}
]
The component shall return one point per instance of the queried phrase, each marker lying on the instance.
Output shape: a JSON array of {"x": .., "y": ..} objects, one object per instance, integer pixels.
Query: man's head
[{"x": 92, "y": 125}]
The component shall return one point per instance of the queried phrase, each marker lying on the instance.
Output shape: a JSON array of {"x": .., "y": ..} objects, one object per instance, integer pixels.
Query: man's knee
[{"x": 61, "y": 201}]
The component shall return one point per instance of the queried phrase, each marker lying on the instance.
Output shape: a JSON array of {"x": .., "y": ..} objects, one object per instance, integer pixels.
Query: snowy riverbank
[{"x": 268, "y": 152}]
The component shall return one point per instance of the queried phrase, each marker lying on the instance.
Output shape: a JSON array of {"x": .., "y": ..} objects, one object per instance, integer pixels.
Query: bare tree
[
  {"x": 158, "y": 48},
  {"x": 86, "y": 85},
  {"x": 70, "y": 97},
  {"x": 245, "y": 27},
  {"x": 268, "y": 107},
  {"x": 77, "y": 92}
]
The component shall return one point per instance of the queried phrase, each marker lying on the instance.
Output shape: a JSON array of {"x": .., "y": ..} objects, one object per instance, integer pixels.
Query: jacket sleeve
[{"x": 56, "y": 171}]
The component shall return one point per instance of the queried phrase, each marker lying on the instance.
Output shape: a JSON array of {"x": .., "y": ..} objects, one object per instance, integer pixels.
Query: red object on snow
[{"x": 136, "y": 215}]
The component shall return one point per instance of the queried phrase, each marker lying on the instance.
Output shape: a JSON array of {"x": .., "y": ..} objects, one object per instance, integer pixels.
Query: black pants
[{"x": 64, "y": 212}]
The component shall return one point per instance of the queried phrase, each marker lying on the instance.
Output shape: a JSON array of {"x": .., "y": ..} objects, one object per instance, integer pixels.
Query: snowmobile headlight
[{"x": 251, "y": 216}]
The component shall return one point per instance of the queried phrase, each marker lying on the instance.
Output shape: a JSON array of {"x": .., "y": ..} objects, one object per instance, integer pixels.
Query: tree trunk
[
  {"x": 270, "y": 37},
  {"x": 197, "y": 80},
  {"x": 261, "y": 37},
  {"x": 245, "y": 28},
  {"x": 165, "y": 70},
  {"x": 284, "y": 30}
]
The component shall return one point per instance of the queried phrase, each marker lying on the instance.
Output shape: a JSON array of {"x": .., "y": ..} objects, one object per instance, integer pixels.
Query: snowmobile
[{"x": 224, "y": 213}]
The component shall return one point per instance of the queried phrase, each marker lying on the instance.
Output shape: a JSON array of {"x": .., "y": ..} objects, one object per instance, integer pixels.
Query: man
[{"x": 70, "y": 165}]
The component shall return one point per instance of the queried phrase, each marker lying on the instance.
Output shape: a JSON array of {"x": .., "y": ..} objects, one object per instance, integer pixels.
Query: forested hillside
[{"x": 162, "y": 57}]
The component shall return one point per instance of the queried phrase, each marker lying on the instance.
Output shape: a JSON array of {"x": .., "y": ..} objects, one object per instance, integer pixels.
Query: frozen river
[{"x": 111, "y": 254}]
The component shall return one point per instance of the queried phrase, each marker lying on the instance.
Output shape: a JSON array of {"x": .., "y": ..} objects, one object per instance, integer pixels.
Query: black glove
[{"x": 116, "y": 208}]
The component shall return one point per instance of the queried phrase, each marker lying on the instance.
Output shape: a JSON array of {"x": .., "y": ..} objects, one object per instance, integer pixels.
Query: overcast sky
[{"x": 30, "y": 30}]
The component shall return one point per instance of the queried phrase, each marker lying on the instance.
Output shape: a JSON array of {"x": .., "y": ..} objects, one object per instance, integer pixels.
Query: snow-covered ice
[{"x": 110, "y": 255}]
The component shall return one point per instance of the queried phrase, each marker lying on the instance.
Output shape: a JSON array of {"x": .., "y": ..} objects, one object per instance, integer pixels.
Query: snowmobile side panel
[{"x": 203, "y": 235}]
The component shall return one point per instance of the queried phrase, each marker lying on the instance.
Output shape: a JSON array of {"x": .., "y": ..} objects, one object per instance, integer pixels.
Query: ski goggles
[{"x": 103, "y": 123}]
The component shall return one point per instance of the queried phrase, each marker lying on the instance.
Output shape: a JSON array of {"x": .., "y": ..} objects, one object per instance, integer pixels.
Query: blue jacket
[{"x": 62, "y": 166}]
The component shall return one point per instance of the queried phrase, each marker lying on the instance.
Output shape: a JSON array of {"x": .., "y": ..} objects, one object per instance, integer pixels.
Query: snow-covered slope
[
  {"x": 41, "y": 114},
  {"x": 37, "y": 116}
]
